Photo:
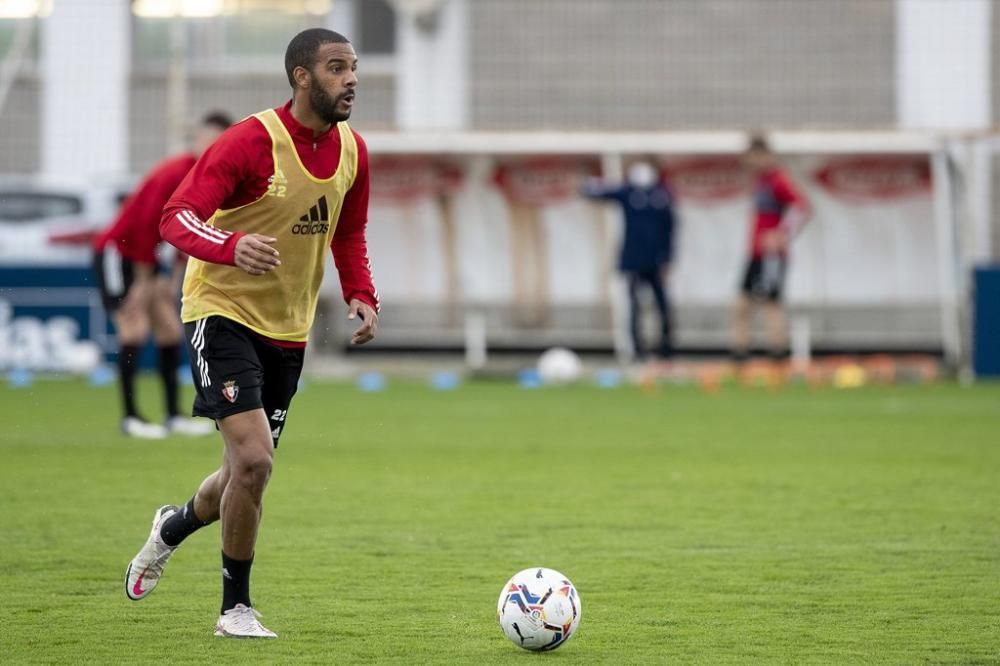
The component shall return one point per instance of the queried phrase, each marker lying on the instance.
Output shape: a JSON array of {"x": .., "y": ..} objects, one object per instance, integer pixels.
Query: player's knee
[
  {"x": 167, "y": 340},
  {"x": 167, "y": 329},
  {"x": 741, "y": 308},
  {"x": 774, "y": 312},
  {"x": 252, "y": 470},
  {"x": 132, "y": 329}
]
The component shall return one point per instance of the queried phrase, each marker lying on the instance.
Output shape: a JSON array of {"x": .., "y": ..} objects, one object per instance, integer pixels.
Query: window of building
[
  {"x": 232, "y": 34},
  {"x": 20, "y": 206},
  {"x": 375, "y": 27},
  {"x": 19, "y": 29}
]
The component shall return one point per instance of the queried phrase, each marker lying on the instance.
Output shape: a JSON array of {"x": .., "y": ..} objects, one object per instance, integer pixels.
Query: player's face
[
  {"x": 334, "y": 79},
  {"x": 205, "y": 137},
  {"x": 758, "y": 159},
  {"x": 642, "y": 174}
]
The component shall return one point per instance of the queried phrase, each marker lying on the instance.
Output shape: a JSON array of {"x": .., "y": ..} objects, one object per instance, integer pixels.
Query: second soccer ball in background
[{"x": 559, "y": 366}]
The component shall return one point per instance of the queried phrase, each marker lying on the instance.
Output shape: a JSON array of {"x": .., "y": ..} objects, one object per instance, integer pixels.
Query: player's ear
[{"x": 302, "y": 76}]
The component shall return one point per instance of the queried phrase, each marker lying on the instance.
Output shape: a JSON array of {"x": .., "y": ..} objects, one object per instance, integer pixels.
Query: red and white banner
[
  {"x": 883, "y": 177},
  {"x": 870, "y": 241},
  {"x": 409, "y": 178},
  {"x": 708, "y": 179},
  {"x": 540, "y": 181}
]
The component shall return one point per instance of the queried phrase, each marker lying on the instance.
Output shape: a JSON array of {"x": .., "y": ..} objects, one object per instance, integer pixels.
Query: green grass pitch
[{"x": 751, "y": 526}]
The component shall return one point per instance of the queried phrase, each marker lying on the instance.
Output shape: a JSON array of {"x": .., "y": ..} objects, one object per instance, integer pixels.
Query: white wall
[
  {"x": 85, "y": 65},
  {"x": 433, "y": 67},
  {"x": 943, "y": 64}
]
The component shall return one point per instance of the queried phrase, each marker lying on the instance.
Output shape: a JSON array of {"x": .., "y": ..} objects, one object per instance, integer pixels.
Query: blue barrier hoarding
[
  {"x": 51, "y": 319},
  {"x": 986, "y": 322}
]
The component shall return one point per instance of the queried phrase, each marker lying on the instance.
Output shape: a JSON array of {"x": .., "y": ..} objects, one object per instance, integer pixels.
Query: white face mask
[{"x": 642, "y": 174}]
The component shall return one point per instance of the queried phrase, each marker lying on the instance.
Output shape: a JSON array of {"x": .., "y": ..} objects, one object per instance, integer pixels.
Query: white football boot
[
  {"x": 145, "y": 569},
  {"x": 180, "y": 425},
  {"x": 140, "y": 429},
  {"x": 241, "y": 622}
]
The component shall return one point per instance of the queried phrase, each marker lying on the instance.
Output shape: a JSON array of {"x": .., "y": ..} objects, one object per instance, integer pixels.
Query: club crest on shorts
[{"x": 230, "y": 390}]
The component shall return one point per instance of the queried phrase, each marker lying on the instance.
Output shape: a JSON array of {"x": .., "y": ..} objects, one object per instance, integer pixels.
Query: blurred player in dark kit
[{"x": 647, "y": 246}]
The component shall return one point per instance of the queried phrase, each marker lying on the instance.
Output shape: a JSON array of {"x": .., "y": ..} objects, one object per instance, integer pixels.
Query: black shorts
[
  {"x": 115, "y": 275},
  {"x": 765, "y": 277},
  {"x": 235, "y": 370}
]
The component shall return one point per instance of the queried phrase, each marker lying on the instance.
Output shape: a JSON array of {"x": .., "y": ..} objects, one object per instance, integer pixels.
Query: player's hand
[
  {"x": 369, "y": 319},
  {"x": 774, "y": 242},
  {"x": 255, "y": 255},
  {"x": 588, "y": 185}
]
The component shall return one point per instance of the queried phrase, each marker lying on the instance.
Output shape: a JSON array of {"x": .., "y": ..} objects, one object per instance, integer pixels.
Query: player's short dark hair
[
  {"x": 219, "y": 119},
  {"x": 301, "y": 51},
  {"x": 758, "y": 143}
]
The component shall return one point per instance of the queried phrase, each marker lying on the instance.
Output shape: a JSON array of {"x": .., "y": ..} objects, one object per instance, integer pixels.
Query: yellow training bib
[{"x": 301, "y": 211}]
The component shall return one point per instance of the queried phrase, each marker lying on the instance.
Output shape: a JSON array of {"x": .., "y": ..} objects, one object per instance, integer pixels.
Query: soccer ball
[
  {"x": 539, "y": 609},
  {"x": 559, "y": 366}
]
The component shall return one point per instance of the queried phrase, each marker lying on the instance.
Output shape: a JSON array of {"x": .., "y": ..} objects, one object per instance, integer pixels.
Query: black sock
[
  {"x": 235, "y": 582},
  {"x": 169, "y": 360},
  {"x": 128, "y": 362},
  {"x": 181, "y": 525}
]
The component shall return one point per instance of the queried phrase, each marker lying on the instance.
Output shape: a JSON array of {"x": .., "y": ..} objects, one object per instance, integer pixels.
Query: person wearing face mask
[{"x": 647, "y": 245}]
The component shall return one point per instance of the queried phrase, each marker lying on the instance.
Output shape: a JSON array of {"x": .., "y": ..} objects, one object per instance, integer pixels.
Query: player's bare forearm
[{"x": 794, "y": 220}]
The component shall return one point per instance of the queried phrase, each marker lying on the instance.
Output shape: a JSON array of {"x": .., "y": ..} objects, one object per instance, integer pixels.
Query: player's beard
[{"x": 325, "y": 105}]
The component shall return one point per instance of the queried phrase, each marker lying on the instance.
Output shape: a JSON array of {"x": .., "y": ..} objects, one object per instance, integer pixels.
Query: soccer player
[
  {"x": 139, "y": 289},
  {"x": 256, "y": 214},
  {"x": 780, "y": 213},
  {"x": 647, "y": 245}
]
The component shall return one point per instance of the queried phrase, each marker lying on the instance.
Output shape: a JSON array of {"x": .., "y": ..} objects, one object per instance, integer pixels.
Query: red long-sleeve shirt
[
  {"x": 236, "y": 170},
  {"x": 774, "y": 194},
  {"x": 136, "y": 230}
]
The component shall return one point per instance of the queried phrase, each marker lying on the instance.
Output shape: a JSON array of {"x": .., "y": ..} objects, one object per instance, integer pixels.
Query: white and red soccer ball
[{"x": 539, "y": 609}]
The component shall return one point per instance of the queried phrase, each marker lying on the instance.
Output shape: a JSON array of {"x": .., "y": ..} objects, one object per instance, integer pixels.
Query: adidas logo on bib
[{"x": 316, "y": 221}]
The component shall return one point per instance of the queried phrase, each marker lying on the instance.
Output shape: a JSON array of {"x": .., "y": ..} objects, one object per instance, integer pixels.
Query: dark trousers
[{"x": 654, "y": 280}]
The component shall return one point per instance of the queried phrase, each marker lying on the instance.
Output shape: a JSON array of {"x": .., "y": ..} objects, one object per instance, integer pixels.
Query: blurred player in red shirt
[
  {"x": 139, "y": 279},
  {"x": 780, "y": 213}
]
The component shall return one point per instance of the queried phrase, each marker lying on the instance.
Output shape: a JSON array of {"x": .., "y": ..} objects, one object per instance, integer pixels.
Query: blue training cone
[
  {"x": 102, "y": 375},
  {"x": 20, "y": 378},
  {"x": 608, "y": 378},
  {"x": 185, "y": 376},
  {"x": 529, "y": 379},
  {"x": 445, "y": 381},
  {"x": 371, "y": 382}
]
